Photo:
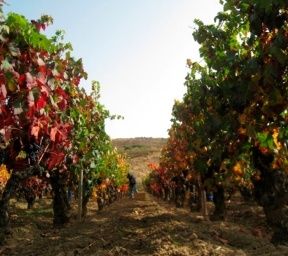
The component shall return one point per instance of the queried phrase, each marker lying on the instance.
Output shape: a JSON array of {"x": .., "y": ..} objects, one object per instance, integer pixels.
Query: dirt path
[{"x": 141, "y": 226}]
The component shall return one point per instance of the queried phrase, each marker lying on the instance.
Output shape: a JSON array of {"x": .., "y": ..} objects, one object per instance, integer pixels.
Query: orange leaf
[
  {"x": 35, "y": 131},
  {"x": 53, "y": 133}
]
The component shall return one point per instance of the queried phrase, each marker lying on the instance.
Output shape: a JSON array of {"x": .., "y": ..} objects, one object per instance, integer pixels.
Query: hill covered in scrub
[{"x": 140, "y": 152}]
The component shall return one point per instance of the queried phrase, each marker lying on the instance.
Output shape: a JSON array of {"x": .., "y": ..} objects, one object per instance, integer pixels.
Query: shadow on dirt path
[{"x": 140, "y": 226}]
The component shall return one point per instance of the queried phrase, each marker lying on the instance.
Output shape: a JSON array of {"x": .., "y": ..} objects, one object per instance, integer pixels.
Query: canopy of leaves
[
  {"x": 45, "y": 117},
  {"x": 236, "y": 99}
]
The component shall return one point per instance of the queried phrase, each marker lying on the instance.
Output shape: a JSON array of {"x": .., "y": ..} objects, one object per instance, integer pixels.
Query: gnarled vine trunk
[
  {"x": 20, "y": 173},
  {"x": 60, "y": 201},
  {"x": 87, "y": 191},
  {"x": 4, "y": 202},
  {"x": 84, "y": 205},
  {"x": 219, "y": 203},
  {"x": 202, "y": 198},
  {"x": 271, "y": 192}
]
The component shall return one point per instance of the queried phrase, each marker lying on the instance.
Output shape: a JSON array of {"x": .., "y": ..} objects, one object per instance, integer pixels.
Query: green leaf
[
  {"x": 25, "y": 30},
  {"x": 266, "y": 140},
  {"x": 5, "y": 65},
  {"x": 262, "y": 137},
  {"x": 92, "y": 165}
]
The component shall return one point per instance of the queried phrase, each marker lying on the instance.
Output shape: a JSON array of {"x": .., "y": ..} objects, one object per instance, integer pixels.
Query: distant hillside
[{"x": 140, "y": 152}]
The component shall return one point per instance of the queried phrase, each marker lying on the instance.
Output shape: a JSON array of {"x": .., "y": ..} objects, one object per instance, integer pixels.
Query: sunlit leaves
[
  {"x": 30, "y": 103},
  {"x": 236, "y": 98},
  {"x": 4, "y": 176},
  {"x": 19, "y": 24}
]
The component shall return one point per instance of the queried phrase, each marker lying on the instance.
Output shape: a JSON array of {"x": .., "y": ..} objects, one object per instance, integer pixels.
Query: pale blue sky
[{"x": 136, "y": 49}]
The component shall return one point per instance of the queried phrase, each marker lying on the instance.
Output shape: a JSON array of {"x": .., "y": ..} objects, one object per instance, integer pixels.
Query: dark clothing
[
  {"x": 132, "y": 185},
  {"x": 132, "y": 180}
]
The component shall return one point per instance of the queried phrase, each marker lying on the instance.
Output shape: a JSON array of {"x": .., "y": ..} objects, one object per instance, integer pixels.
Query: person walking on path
[{"x": 132, "y": 185}]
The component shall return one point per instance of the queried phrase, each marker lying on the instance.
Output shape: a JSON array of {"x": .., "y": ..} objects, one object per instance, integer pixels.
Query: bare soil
[{"x": 140, "y": 226}]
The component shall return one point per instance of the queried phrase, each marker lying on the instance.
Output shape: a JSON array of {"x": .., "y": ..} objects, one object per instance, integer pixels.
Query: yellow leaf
[
  {"x": 238, "y": 169},
  {"x": 22, "y": 155},
  {"x": 275, "y": 139},
  {"x": 4, "y": 176}
]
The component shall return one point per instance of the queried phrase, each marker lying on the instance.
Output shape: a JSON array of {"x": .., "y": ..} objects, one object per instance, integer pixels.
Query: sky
[{"x": 136, "y": 49}]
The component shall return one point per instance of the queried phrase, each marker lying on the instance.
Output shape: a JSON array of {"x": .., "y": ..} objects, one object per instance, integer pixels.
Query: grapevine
[
  {"x": 230, "y": 129},
  {"x": 50, "y": 128}
]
